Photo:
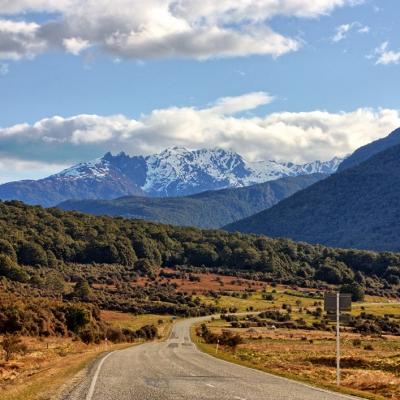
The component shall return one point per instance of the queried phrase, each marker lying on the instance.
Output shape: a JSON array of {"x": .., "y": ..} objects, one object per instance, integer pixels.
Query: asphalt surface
[{"x": 176, "y": 369}]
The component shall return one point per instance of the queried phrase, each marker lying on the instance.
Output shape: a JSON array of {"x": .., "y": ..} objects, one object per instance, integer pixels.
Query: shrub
[
  {"x": 31, "y": 254},
  {"x": 11, "y": 270},
  {"x": 11, "y": 345}
]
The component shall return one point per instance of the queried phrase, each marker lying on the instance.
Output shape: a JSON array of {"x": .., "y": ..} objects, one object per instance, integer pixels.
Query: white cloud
[
  {"x": 160, "y": 28},
  {"x": 385, "y": 56},
  {"x": 364, "y": 29},
  {"x": 75, "y": 45},
  {"x": 19, "y": 40},
  {"x": 233, "y": 105},
  {"x": 343, "y": 30},
  {"x": 287, "y": 136}
]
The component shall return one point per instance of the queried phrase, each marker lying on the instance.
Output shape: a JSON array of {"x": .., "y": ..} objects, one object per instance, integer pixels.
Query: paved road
[{"x": 175, "y": 369}]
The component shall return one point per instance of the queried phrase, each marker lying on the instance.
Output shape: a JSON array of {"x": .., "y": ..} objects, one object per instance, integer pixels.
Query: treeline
[
  {"x": 37, "y": 237},
  {"x": 34, "y": 236}
]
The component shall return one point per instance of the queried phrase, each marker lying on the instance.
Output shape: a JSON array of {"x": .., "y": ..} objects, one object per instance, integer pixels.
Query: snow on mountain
[
  {"x": 175, "y": 171},
  {"x": 179, "y": 171},
  {"x": 97, "y": 168}
]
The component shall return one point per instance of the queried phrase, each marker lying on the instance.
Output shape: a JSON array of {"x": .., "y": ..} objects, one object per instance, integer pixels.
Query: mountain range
[
  {"x": 173, "y": 172},
  {"x": 358, "y": 207},
  {"x": 210, "y": 209}
]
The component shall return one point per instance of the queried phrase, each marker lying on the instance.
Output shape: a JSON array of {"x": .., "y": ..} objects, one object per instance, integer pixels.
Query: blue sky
[{"x": 308, "y": 81}]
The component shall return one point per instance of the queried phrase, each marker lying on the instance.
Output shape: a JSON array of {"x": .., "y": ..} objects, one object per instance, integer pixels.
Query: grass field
[
  {"x": 370, "y": 363},
  {"x": 134, "y": 322}
]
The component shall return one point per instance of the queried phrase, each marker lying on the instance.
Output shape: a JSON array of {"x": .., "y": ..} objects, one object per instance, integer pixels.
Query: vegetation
[
  {"x": 44, "y": 240},
  {"x": 364, "y": 153},
  {"x": 293, "y": 337},
  {"x": 211, "y": 209},
  {"x": 355, "y": 208},
  {"x": 46, "y": 317},
  {"x": 12, "y": 344}
]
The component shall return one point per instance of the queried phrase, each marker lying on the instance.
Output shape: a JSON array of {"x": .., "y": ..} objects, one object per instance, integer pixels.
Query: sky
[{"x": 289, "y": 80}]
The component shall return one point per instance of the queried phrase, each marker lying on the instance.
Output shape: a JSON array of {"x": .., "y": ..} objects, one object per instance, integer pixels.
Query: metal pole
[{"x": 338, "y": 339}]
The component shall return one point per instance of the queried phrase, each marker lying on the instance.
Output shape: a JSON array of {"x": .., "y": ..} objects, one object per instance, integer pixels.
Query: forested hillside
[
  {"x": 211, "y": 209},
  {"x": 356, "y": 208},
  {"x": 76, "y": 245},
  {"x": 364, "y": 153}
]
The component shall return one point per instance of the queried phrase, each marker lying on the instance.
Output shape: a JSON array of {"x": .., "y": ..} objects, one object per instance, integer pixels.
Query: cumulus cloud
[
  {"x": 385, "y": 56},
  {"x": 19, "y": 40},
  {"x": 75, "y": 45},
  {"x": 285, "y": 136},
  {"x": 158, "y": 28}
]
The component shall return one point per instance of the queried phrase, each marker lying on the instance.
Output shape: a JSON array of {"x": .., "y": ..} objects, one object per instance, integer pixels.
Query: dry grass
[
  {"x": 309, "y": 356},
  {"x": 46, "y": 366},
  {"x": 134, "y": 322},
  {"x": 208, "y": 282}
]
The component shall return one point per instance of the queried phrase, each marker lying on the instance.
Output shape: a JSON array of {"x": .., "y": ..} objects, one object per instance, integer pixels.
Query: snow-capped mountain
[
  {"x": 177, "y": 171},
  {"x": 173, "y": 172}
]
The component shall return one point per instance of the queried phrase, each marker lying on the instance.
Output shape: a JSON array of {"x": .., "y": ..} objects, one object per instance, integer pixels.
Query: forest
[{"x": 81, "y": 263}]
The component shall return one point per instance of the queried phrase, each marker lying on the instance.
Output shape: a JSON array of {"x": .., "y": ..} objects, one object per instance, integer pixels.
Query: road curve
[{"x": 176, "y": 369}]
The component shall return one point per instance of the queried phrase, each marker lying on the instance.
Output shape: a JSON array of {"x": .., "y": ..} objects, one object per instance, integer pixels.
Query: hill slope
[
  {"x": 211, "y": 209},
  {"x": 37, "y": 242},
  {"x": 173, "y": 172},
  {"x": 356, "y": 208},
  {"x": 363, "y": 153}
]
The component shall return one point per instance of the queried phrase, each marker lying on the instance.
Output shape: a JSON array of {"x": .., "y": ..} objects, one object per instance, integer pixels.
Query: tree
[
  {"x": 76, "y": 318},
  {"x": 357, "y": 291},
  {"x": 11, "y": 270},
  {"x": 101, "y": 252},
  {"x": 31, "y": 254},
  {"x": 83, "y": 291},
  {"x": 126, "y": 254},
  {"x": 7, "y": 249},
  {"x": 55, "y": 283}
]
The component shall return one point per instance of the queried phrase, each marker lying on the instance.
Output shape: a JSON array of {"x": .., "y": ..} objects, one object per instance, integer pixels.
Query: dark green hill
[
  {"x": 211, "y": 209},
  {"x": 356, "y": 208},
  {"x": 37, "y": 244},
  {"x": 363, "y": 153}
]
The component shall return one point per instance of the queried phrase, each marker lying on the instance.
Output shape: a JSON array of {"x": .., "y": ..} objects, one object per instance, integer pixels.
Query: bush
[
  {"x": 357, "y": 291},
  {"x": 32, "y": 254},
  {"x": 11, "y": 345},
  {"x": 11, "y": 270}
]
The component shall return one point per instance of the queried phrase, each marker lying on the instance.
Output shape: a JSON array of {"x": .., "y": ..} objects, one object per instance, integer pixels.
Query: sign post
[
  {"x": 334, "y": 303},
  {"x": 338, "y": 339}
]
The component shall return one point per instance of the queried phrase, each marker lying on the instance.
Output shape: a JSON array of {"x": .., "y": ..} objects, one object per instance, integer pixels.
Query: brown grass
[{"x": 310, "y": 356}]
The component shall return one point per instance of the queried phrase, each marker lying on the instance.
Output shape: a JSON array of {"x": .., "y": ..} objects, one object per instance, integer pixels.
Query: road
[{"x": 176, "y": 369}]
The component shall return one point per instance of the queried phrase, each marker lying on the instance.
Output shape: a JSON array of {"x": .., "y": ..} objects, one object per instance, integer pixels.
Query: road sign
[
  {"x": 344, "y": 318},
  {"x": 330, "y": 302}
]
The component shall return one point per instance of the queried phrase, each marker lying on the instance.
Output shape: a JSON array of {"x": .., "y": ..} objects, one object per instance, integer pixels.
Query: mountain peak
[{"x": 176, "y": 171}]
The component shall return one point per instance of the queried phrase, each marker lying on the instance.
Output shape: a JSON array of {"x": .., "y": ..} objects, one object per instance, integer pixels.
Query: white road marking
[
  {"x": 239, "y": 398},
  {"x": 95, "y": 376},
  {"x": 209, "y": 384}
]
